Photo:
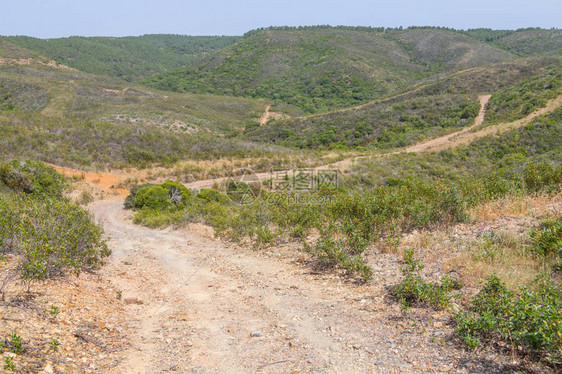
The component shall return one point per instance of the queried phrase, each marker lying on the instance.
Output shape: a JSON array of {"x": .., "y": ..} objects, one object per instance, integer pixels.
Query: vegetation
[
  {"x": 370, "y": 209},
  {"x": 103, "y": 144},
  {"x": 129, "y": 58},
  {"x": 515, "y": 102},
  {"x": 547, "y": 241},
  {"x": 436, "y": 108},
  {"x": 414, "y": 289},
  {"x": 60, "y": 93},
  {"x": 523, "y": 42},
  {"x": 46, "y": 234},
  {"x": 394, "y": 123},
  {"x": 534, "y": 150},
  {"x": 529, "y": 321},
  {"x": 320, "y": 68}
]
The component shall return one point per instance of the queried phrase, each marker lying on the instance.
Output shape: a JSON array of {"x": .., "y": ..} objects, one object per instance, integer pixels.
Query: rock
[
  {"x": 48, "y": 368},
  {"x": 132, "y": 300},
  {"x": 379, "y": 362},
  {"x": 256, "y": 334}
]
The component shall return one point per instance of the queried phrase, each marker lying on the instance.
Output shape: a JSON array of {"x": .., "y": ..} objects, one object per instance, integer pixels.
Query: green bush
[
  {"x": 178, "y": 194},
  {"x": 212, "y": 195},
  {"x": 344, "y": 252},
  {"x": 32, "y": 177},
  {"x": 154, "y": 197},
  {"x": 548, "y": 240},
  {"x": 543, "y": 176},
  {"x": 168, "y": 195},
  {"x": 414, "y": 289},
  {"x": 51, "y": 237},
  {"x": 530, "y": 320},
  {"x": 48, "y": 235},
  {"x": 130, "y": 200}
]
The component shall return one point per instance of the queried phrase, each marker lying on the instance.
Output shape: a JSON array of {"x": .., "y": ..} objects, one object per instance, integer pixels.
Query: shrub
[
  {"x": 548, "y": 238},
  {"x": 153, "y": 197},
  {"x": 212, "y": 195},
  {"x": 54, "y": 237},
  {"x": 542, "y": 176},
  {"x": 49, "y": 235},
  {"x": 178, "y": 194},
  {"x": 85, "y": 198},
  {"x": 130, "y": 201},
  {"x": 344, "y": 252},
  {"x": 32, "y": 177},
  {"x": 168, "y": 195},
  {"x": 530, "y": 320},
  {"x": 414, "y": 289}
]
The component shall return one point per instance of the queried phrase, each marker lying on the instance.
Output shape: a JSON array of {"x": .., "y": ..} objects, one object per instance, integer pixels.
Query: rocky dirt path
[{"x": 200, "y": 305}]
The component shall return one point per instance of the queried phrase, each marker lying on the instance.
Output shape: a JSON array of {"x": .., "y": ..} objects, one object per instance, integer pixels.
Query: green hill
[
  {"x": 517, "y": 88},
  {"x": 522, "y": 42},
  {"x": 129, "y": 58},
  {"x": 56, "y": 114},
  {"x": 317, "y": 68}
]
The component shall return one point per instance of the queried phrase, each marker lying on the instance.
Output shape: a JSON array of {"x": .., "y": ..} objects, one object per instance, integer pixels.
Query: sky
[{"x": 60, "y": 18}]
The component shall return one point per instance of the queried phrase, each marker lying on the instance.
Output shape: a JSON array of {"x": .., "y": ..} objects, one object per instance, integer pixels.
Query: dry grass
[
  {"x": 518, "y": 206},
  {"x": 496, "y": 242},
  {"x": 505, "y": 254}
]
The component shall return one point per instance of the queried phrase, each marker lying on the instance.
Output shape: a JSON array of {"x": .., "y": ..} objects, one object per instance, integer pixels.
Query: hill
[
  {"x": 522, "y": 42},
  {"x": 129, "y": 58},
  {"x": 517, "y": 87},
  {"x": 317, "y": 68},
  {"x": 54, "y": 113}
]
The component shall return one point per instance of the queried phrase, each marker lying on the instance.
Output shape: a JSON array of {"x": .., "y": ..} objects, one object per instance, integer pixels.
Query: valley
[{"x": 404, "y": 212}]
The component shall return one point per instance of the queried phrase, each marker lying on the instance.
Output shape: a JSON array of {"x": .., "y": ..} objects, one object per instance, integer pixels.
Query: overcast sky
[{"x": 57, "y": 18}]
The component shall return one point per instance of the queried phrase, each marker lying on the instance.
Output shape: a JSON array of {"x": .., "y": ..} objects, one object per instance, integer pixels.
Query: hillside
[
  {"x": 317, "y": 68},
  {"x": 53, "y": 113},
  {"x": 34, "y": 82},
  {"x": 522, "y": 42},
  {"x": 517, "y": 87},
  {"x": 128, "y": 58},
  {"x": 412, "y": 223}
]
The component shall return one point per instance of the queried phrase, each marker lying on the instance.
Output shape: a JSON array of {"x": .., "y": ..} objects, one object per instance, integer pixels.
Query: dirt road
[
  {"x": 265, "y": 117},
  {"x": 210, "y": 307},
  {"x": 463, "y": 136},
  {"x": 197, "y": 304}
]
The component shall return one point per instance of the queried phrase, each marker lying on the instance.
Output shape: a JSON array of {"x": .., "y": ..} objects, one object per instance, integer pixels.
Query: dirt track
[
  {"x": 457, "y": 138},
  {"x": 202, "y": 299}
]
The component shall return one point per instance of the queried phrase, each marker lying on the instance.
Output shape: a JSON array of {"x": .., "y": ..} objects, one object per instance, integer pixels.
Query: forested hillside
[
  {"x": 317, "y": 68},
  {"x": 129, "y": 58},
  {"x": 518, "y": 87}
]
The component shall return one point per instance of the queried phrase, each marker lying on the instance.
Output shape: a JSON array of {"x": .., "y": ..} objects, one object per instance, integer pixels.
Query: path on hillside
[
  {"x": 386, "y": 99},
  {"x": 269, "y": 115},
  {"x": 202, "y": 300},
  {"x": 464, "y": 136},
  {"x": 266, "y": 115},
  {"x": 444, "y": 140},
  {"x": 461, "y": 137}
]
